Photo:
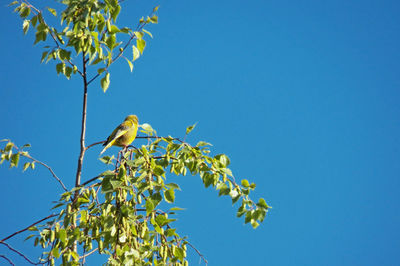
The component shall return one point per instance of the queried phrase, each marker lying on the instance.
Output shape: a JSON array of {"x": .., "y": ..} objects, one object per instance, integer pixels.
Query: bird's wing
[{"x": 118, "y": 132}]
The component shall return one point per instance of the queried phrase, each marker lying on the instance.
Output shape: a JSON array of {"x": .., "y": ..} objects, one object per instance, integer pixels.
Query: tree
[{"x": 118, "y": 212}]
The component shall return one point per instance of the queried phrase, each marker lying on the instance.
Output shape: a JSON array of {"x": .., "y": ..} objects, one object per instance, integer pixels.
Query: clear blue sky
[{"x": 302, "y": 95}]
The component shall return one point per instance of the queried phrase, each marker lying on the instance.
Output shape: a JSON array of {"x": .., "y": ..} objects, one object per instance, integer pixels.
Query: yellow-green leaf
[
  {"x": 141, "y": 44},
  {"x": 105, "y": 82},
  {"x": 129, "y": 63},
  {"x": 52, "y": 11},
  {"x": 136, "y": 53}
]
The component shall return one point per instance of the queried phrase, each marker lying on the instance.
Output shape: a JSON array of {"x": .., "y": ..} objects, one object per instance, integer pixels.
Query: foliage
[
  {"x": 121, "y": 212},
  {"x": 88, "y": 27}
]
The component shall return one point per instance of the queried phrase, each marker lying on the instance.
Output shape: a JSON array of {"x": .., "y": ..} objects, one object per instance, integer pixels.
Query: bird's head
[{"x": 132, "y": 118}]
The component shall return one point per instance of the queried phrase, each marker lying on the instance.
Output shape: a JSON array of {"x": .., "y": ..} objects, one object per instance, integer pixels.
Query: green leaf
[
  {"x": 223, "y": 159},
  {"x": 139, "y": 35},
  {"x": 68, "y": 72},
  {"x": 62, "y": 235},
  {"x": 29, "y": 237},
  {"x": 129, "y": 63},
  {"x": 154, "y": 19},
  {"x": 8, "y": 147},
  {"x": 203, "y": 143},
  {"x": 44, "y": 54},
  {"x": 25, "y": 26},
  {"x": 13, "y": 3},
  {"x": 60, "y": 67},
  {"x": 148, "y": 32},
  {"x": 114, "y": 29},
  {"x": 261, "y": 203},
  {"x": 135, "y": 52},
  {"x": 173, "y": 186},
  {"x": 254, "y": 224},
  {"x": 161, "y": 220},
  {"x": 178, "y": 252},
  {"x": 75, "y": 255},
  {"x": 24, "y": 12},
  {"x": 190, "y": 128},
  {"x": 115, "y": 12},
  {"x": 34, "y": 20},
  {"x": 147, "y": 128},
  {"x": 110, "y": 42},
  {"x": 107, "y": 159},
  {"x": 149, "y": 206},
  {"x": 155, "y": 8},
  {"x": 105, "y": 82},
  {"x": 223, "y": 189},
  {"x": 52, "y": 11},
  {"x": 141, "y": 44},
  {"x": 14, "y": 160},
  {"x": 108, "y": 24},
  {"x": 247, "y": 218},
  {"x": 176, "y": 209},
  {"x": 245, "y": 183},
  {"x": 169, "y": 195},
  {"x": 101, "y": 70},
  {"x": 64, "y": 54},
  {"x": 170, "y": 232},
  {"x": 26, "y": 166}
]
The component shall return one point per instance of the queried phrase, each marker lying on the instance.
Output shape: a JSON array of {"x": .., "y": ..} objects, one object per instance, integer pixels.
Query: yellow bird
[{"x": 124, "y": 134}]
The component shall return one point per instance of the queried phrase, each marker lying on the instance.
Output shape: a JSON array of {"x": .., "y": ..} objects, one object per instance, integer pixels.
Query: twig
[
  {"x": 22, "y": 255},
  {"x": 90, "y": 180},
  {"x": 198, "y": 252},
  {"x": 26, "y": 228},
  {"x": 7, "y": 259},
  {"x": 96, "y": 143},
  {"x": 48, "y": 167},
  {"x": 88, "y": 254}
]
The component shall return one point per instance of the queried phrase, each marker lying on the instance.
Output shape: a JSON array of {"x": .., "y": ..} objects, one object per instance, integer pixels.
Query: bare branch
[
  {"x": 198, "y": 252},
  {"x": 83, "y": 126},
  {"x": 88, "y": 254},
  {"x": 90, "y": 180},
  {"x": 94, "y": 144},
  {"x": 26, "y": 228},
  {"x": 7, "y": 259},
  {"x": 48, "y": 167},
  {"x": 22, "y": 255}
]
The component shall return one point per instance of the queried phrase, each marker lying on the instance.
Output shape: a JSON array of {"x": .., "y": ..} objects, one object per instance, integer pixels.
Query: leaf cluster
[
  {"x": 120, "y": 212},
  {"x": 87, "y": 27}
]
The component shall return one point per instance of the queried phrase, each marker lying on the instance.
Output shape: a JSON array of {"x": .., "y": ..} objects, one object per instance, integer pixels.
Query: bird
[{"x": 124, "y": 134}]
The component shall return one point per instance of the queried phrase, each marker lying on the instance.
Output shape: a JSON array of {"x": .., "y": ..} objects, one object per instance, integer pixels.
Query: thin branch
[
  {"x": 48, "y": 167},
  {"x": 22, "y": 255},
  {"x": 7, "y": 259},
  {"x": 88, "y": 254},
  {"x": 96, "y": 143},
  {"x": 83, "y": 127},
  {"x": 198, "y": 252},
  {"x": 26, "y": 228},
  {"x": 91, "y": 180}
]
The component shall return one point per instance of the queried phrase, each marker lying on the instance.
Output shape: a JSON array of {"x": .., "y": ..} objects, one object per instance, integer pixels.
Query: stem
[
  {"x": 49, "y": 168},
  {"x": 83, "y": 130},
  {"x": 26, "y": 228}
]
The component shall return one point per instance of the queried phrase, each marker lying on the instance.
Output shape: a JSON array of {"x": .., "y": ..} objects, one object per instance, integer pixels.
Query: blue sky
[{"x": 301, "y": 95}]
